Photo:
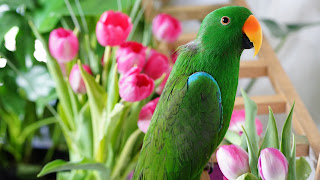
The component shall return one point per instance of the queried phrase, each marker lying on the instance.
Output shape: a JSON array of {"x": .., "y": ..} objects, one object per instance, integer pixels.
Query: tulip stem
[{"x": 106, "y": 62}]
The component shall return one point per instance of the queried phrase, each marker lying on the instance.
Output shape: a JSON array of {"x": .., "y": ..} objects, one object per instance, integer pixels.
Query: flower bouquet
[{"x": 102, "y": 103}]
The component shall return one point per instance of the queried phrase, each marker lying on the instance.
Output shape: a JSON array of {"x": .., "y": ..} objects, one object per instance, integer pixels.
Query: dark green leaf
[
  {"x": 286, "y": 135},
  {"x": 303, "y": 169},
  {"x": 60, "y": 165},
  {"x": 275, "y": 28},
  {"x": 271, "y": 138},
  {"x": 297, "y": 27}
]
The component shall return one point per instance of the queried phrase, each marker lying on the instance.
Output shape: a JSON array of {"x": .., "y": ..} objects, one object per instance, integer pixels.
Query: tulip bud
[
  {"x": 156, "y": 65},
  {"x": 75, "y": 79},
  {"x": 130, "y": 54},
  {"x": 146, "y": 114},
  {"x": 238, "y": 119},
  {"x": 166, "y": 28},
  {"x": 63, "y": 45},
  {"x": 233, "y": 161},
  {"x": 134, "y": 86},
  {"x": 272, "y": 165},
  {"x": 113, "y": 28}
]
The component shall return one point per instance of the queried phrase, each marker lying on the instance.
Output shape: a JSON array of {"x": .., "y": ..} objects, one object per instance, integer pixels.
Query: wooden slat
[
  {"x": 317, "y": 177},
  {"x": 276, "y": 102},
  {"x": 253, "y": 69},
  {"x": 190, "y": 12},
  {"x": 183, "y": 39}
]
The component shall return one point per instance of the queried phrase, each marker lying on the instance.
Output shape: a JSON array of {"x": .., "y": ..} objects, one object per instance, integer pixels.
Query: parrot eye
[{"x": 225, "y": 20}]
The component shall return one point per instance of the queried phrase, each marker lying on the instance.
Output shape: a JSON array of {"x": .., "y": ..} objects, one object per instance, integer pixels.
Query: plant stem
[
  {"x": 83, "y": 19},
  {"x": 73, "y": 16},
  {"x": 106, "y": 62}
]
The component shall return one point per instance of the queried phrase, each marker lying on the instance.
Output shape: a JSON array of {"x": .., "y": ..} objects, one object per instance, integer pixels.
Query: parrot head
[{"x": 231, "y": 28}]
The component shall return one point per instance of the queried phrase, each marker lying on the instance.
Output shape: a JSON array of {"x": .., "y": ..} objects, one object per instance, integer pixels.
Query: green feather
[{"x": 188, "y": 123}]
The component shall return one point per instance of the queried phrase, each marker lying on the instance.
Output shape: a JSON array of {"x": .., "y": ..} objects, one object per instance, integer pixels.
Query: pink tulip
[
  {"x": 130, "y": 54},
  {"x": 146, "y": 115},
  {"x": 159, "y": 89},
  {"x": 134, "y": 86},
  {"x": 113, "y": 28},
  {"x": 166, "y": 28},
  {"x": 75, "y": 79},
  {"x": 156, "y": 65},
  {"x": 233, "y": 161},
  {"x": 238, "y": 120},
  {"x": 272, "y": 165},
  {"x": 63, "y": 45}
]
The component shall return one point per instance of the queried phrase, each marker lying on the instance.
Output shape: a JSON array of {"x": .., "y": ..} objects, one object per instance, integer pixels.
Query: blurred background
[{"x": 27, "y": 92}]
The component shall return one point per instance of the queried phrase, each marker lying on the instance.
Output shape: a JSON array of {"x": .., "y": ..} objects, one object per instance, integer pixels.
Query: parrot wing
[{"x": 183, "y": 131}]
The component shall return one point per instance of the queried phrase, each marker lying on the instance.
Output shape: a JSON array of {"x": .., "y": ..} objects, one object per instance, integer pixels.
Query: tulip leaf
[
  {"x": 60, "y": 165},
  {"x": 253, "y": 158},
  {"x": 126, "y": 154},
  {"x": 250, "y": 125},
  {"x": 286, "y": 135},
  {"x": 303, "y": 169},
  {"x": 247, "y": 176},
  {"x": 84, "y": 131},
  {"x": 233, "y": 137},
  {"x": 292, "y": 161},
  {"x": 271, "y": 138},
  {"x": 97, "y": 98}
]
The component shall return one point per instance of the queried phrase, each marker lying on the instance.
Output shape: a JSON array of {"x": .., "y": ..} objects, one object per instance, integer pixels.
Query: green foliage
[
  {"x": 303, "y": 169},
  {"x": 298, "y": 168},
  {"x": 60, "y": 165},
  {"x": 271, "y": 139}
]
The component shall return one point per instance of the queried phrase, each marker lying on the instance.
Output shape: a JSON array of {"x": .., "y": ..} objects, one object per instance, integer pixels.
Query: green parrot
[{"x": 195, "y": 107}]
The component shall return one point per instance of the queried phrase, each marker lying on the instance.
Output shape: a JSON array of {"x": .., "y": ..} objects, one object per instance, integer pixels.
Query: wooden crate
[{"x": 267, "y": 65}]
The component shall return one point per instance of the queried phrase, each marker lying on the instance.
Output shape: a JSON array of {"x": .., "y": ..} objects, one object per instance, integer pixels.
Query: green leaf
[
  {"x": 34, "y": 126},
  {"x": 36, "y": 83},
  {"x": 271, "y": 138},
  {"x": 250, "y": 123},
  {"x": 46, "y": 18},
  {"x": 94, "y": 8},
  {"x": 299, "y": 26},
  {"x": 233, "y": 137},
  {"x": 97, "y": 98},
  {"x": 303, "y": 169},
  {"x": 126, "y": 154},
  {"x": 84, "y": 131},
  {"x": 253, "y": 158},
  {"x": 247, "y": 176},
  {"x": 13, "y": 4},
  {"x": 292, "y": 161},
  {"x": 60, "y": 165},
  {"x": 286, "y": 135},
  {"x": 275, "y": 28}
]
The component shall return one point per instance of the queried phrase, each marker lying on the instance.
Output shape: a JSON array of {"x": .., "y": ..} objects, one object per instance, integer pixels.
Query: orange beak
[{"x": 253, "y": 31}]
